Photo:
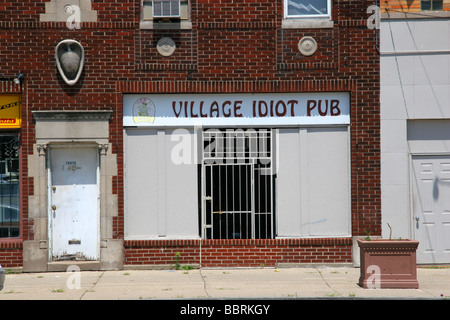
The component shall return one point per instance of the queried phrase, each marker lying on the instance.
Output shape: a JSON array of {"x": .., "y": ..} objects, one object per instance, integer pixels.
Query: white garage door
[{"x": 431, "y": 208}]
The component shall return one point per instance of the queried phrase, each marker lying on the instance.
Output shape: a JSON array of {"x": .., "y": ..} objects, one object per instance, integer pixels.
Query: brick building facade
[{"x": 222, "y": 50}]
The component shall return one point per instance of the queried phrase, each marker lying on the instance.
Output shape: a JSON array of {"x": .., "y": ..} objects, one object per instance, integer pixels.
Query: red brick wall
[
  {"x": 234, "y": 46},
  {"x": 11, "y": 254},
  {"x": 238, "y": 253}
]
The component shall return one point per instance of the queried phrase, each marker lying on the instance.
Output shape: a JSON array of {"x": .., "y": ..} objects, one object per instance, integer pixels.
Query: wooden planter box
[{"x": 388, "y": 264}]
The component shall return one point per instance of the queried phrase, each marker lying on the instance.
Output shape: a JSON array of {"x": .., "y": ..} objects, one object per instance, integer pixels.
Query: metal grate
[
  {"x": 166, "y": 8},
  {"x": 9, "y": 186},
  {"x": 238, "y": 183}
]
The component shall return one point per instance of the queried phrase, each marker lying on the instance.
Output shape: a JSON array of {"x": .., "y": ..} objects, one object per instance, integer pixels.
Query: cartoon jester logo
[{"x": 144, "y": 110}]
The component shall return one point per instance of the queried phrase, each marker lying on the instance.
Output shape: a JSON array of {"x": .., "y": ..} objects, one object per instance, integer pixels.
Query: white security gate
[
  {"x": 74, "y": 203},
  {"x": 431, "y": 208},
  {"x": 238, "y": 184}
]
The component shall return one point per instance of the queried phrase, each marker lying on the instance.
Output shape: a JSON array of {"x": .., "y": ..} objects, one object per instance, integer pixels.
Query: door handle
[
  {"x": 53, "y": 207},
  {"x": 417, "y": 222}
]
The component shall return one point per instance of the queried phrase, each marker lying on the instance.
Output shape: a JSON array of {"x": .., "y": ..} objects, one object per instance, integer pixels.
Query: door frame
[
  {"x": 412, "y": 180},
  {"x": 70, "y": 145}
]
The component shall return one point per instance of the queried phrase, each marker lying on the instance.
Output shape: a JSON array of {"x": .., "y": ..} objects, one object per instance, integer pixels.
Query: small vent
[{"x": 166, "y": 8}]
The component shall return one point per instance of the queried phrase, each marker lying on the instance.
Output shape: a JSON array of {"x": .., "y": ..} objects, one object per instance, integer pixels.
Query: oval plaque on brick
[
  {"x": 166, "y": 46},
  {"x": 307, "y": 46},
  {"x": 69, "y": 55}
]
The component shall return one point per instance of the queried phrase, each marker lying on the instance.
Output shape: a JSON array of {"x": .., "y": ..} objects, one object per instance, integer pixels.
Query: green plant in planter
[{"x": 388, "y": 263}]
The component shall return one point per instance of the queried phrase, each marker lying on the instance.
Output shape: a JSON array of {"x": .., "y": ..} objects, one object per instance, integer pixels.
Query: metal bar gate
[{"x": 237, "y": 184}]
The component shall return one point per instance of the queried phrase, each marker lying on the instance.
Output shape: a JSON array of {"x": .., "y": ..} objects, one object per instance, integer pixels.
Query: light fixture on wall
[{"x": 19, "y": 79}]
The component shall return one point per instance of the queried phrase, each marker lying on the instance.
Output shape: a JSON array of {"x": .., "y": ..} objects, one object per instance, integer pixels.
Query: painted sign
[
  {"x": 236, "y": 109},
  {"x": 10, "y": 111}
]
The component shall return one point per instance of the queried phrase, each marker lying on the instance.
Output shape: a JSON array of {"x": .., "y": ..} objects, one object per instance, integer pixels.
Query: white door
[
  {"x": 431, "y": 208},
  {"x": 74, "y": 203}
]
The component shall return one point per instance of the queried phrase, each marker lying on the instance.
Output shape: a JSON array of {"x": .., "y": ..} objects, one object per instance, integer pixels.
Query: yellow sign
[{"x": 10, "y": 111}]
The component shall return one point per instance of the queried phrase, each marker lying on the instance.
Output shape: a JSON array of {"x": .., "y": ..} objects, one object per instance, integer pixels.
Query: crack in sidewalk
[
  {"x": 93, "y": 286},
  {"x": 326, "y": 282},
  {"x": 204, "y": 283}
]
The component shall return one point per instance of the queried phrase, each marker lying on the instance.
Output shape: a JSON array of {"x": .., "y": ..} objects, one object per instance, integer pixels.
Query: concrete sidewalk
[{"x": 266, "y": 283}]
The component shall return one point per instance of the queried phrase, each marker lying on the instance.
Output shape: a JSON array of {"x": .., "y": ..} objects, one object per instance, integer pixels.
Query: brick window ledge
[
  {"x": 182, "y": 25},
  {"x": 307, "y": 23}
]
